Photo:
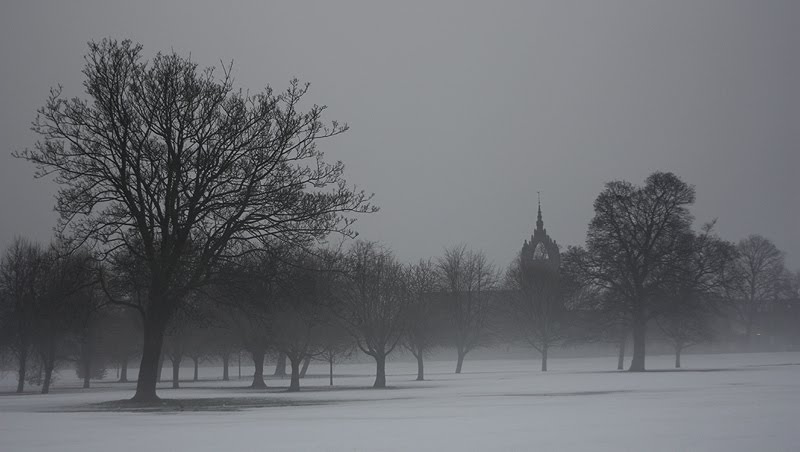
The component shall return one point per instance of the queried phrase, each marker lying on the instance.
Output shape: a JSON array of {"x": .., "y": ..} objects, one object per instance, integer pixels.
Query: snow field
[{"x": 740, "y": 402}]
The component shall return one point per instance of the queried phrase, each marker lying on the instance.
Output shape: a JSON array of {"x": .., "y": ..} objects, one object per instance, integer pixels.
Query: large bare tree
[
  {"x": 174, "y": 163},
  {"x": 632, "y": 247}
]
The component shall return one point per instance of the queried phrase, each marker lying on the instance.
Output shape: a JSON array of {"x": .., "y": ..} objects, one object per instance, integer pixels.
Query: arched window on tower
[{"x": 540, "y": 252}]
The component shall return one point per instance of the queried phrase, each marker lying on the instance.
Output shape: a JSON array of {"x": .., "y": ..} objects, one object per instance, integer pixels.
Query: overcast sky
[{"x": 461, "y": 111}]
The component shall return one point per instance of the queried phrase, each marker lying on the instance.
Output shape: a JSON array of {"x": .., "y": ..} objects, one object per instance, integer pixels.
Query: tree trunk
[
  {"x": 294, "y": 386},
  {"x": 23, "y": 368},
  {"x": 280, "y": 366},
  {"x": 639, "y": 340},
  {"x": 123, "y": 373},
  {"x": 48, "y": 376},
  {"x": 226, "y": 357},
  {"x": 380, "y": 374},
  {"x": 86, "y": 352},
  {"x": 621, "y": 357},
  {"x": 544, "y": 358},
  {"x": 330, "y": 368},
  {"x": 258, "y": 374},
  {"x": 306, "y": 363},
  {"x": 461, "y": 354},
  {"x": 176, "y": 371},
  {"x": 150, "y": 366},
  {"x": 196, "y": 368},
  {"x": 87, "y": 376},
  {"x": 49, "y": 362},
  {"x": 160, "y": 367},
  {"x": 677, "y": 357},
  {"x": 748, "y": 332},
  {"x": 420, "y": 366}
]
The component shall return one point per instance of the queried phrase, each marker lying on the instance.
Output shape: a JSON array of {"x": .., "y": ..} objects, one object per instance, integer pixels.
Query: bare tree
[
  {"x": 220, "y": 339},
  {"x": 466, "y": 281},
  {"x": 696, "y": 292},
  {"x": 303, "y": 308},
  {"x": 89, "y": 317},
  {"x": 175, "y": 349},
  {"x": 62, "y": 305},
  {"x": 335, "y": 344},
  {"x": 596, "y": 313},
  {"x": 21, "y": 272},
  {"x": 280, "y": 365},
  {"x": 425, "y": 319},
  {"x": 253, "y": 291},
  {"x": 759, "y": 274},
  {"x": 252, "y": 322},
  {"x": 537, "y": 304},
  {"x": 253, "y": 326},
  {"x": 122, "y": 336},
  {"x": 631, "y": 247},
  {"x": 184, "y": 339},
  {"x": 374, "y": 299},
  {"x": 178, "y": 166}
]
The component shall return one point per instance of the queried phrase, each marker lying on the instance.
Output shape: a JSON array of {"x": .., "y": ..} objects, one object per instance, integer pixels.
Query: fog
[
  {"x": 461, "y": 111},
  {"x": 549, "y": 212}
]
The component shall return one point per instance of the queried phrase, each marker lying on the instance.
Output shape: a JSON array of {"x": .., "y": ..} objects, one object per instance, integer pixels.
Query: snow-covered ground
[{"x": 744, "y": 402}]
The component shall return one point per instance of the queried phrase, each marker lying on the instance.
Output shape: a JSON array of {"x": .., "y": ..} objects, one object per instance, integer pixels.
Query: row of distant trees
[
  {"x": 196, "y": 205},
  {"x": 643, "y": 264},
  {"x": 299, "y": 304},
  {"x": 296, "y": 303}
]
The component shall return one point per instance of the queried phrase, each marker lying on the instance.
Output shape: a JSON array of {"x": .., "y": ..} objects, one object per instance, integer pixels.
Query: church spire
[{"x": 539, "y": 222}]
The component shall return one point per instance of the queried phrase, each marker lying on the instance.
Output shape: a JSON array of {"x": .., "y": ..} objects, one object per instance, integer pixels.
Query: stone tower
[{"x": 541, "y": 249}]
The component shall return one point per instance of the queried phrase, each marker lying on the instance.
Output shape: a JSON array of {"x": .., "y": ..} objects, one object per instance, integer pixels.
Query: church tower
[{"x": 541, "y": 249}]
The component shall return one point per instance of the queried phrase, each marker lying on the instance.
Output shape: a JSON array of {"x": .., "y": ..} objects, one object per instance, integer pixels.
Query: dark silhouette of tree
[
  {"x": 335, "y": 344},
  {"x": 537, "y": 303},
  {"x": 121, "y": 335},
  {"x": 596, "y": 313},
  {"x": 631, "y": 247},
  {"x": 175, "y": 349},
  {"x": 21, "y": 272},
  {"x": 66, "y": 298},
  {"x": 187, "y": 336},
  {"x": 425, "y": 313},
  {"x": 467, "y": 278},
  {"x": 246, "y": 292},
  {"x": 89, "y": 316},
  {"x": 374, "y": 299},
  {"x": 306, "y": 364},
  {"x": 178, "y": 166},
  {"x": 253, "y": 327},
  {"x": 697, "y": 290},
  {"x": 280, "y": 365},
  {"x": 220, "y": 339},
  {"x": 759, "y": 274},
  {"x": 301, "y": 309}
]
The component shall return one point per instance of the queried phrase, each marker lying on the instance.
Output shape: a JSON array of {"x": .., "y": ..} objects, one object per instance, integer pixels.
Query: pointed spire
[{"x": 539, "y": 222}]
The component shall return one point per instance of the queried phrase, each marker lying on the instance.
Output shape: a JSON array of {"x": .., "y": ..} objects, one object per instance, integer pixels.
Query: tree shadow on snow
[{"x": 215, "y": 404}]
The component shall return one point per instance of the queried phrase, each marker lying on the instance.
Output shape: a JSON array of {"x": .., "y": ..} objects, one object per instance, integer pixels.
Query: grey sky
[{"x": 461, "y": 111}]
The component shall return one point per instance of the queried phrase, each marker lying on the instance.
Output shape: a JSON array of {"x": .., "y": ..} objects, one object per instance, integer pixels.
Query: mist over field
[{"x": 352, "y": 225}]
